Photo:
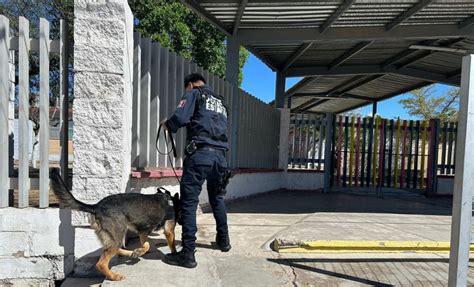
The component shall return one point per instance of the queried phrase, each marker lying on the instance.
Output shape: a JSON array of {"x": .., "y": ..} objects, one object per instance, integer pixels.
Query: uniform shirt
[{"x": 205, "y": 118}]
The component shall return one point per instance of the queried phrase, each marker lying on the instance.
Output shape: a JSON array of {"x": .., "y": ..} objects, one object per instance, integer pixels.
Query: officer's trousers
[{"x": 198, "y": 167}]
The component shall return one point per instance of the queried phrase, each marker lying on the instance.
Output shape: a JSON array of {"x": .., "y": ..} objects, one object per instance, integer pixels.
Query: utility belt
[{"x": 192, "y": 147}]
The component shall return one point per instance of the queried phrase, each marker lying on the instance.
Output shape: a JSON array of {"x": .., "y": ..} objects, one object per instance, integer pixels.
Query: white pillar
[
  {"x": 103, "y": 61},
  {"x": 284, "y": 138},
  {"x": 232, "y": 76},
  {"x": 463, "y": 180}
]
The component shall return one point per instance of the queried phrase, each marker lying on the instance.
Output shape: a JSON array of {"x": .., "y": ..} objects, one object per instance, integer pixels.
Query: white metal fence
[
  {"x": 24, "y": 45},
  {"x": 157, "y": 88}
]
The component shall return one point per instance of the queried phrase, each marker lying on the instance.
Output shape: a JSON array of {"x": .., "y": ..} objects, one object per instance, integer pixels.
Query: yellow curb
[{"x": 361, "y": 246}]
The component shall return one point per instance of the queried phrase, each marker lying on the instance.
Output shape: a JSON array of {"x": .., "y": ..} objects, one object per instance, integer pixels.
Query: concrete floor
[{"x": 295, "y": 215}]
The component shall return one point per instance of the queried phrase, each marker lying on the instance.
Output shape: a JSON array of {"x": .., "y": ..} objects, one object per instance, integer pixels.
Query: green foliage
[
  {"x": 423, "y": 103},
  {"x": 176, "y": 27}
]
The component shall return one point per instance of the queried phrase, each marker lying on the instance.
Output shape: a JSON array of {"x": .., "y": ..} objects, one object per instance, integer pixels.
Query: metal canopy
[{"x": 352, "y": 52}]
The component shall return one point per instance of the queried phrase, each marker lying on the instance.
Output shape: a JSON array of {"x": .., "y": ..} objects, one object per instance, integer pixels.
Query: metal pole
[
  {"x": 280, "y": 90},
  {"x": 232, "y": 76},
  {"x": 374, "y": 109},
  {"x": 463, "y": 180}
]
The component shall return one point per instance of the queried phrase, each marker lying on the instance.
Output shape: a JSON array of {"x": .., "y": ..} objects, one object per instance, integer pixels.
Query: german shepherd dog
[{"x": 115, "y": 214}]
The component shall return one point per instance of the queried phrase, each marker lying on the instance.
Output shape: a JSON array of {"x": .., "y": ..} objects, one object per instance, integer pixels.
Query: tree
[
  {"x": 174, "y": 26},
  {"x": 423, "y": 103}
]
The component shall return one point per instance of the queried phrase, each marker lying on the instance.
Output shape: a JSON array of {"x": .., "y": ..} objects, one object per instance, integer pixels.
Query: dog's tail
[{"x": 65, "y": 196}]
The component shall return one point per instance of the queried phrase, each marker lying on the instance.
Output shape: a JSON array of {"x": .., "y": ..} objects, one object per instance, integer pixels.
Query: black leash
[{"x": 173, "y": 148}]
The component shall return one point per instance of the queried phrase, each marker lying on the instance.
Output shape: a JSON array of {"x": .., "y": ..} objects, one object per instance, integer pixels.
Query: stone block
[
  {"x": 94, "y": 58},
  {"x": 94, "y": 189},
  {"x": 96, "y": 163},
  {"x": 32, "y": 268},
  {"x": 98, "y": 113},
  {"x": 104, "y": 33},
  {"x": 29, "y": 219},
  {"x": 98, "y": 86},
  {"x": 14, "y": 244},
  {"x": 97, "y": 138},
  {"x": 102, "y": 9}
]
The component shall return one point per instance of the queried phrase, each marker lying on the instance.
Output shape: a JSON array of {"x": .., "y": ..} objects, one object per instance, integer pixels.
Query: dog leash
[{"x": 167, "y": 135}]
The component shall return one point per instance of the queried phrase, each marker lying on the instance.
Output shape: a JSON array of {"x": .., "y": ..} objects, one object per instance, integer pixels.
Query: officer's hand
[{"x": 163, "y": 124}]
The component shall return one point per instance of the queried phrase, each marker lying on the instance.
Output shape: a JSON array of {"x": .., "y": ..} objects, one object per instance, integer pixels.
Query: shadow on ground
[{"x": 298, "y": 202}]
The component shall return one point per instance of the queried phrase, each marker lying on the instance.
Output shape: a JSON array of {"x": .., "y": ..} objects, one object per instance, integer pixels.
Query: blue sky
[{"x": 259, "y": 80}]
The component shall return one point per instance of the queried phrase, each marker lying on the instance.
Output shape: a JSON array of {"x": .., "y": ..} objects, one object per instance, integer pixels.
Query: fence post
[
  {"x": 4, "y": 89},
  {"x": 327, "y": 151},
  {"x": 23, "y": 112},
  {"x": 64, "y": 100},
  {"x": 432, "y": 185},
  {"x": 44, "y": 113}
]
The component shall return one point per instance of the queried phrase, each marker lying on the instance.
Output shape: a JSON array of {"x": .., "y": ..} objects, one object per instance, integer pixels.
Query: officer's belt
[{"x": 211, "y": 149}]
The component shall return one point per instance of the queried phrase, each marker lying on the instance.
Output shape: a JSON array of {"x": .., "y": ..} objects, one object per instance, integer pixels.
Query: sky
[{"x": 259, "y": 80}]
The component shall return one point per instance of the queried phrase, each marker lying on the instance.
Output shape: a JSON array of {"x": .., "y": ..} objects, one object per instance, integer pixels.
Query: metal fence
[
  {"x": 375, "y": 152},
  {"x": 24, "y": 45},
  {"x": 157, "y": 88},
  {"x": 258, "y": 133},
  {"x": 307, "y": 141}
]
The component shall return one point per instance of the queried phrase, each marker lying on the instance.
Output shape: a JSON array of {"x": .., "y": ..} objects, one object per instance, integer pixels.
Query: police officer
[{"x": 204, "y": 113}]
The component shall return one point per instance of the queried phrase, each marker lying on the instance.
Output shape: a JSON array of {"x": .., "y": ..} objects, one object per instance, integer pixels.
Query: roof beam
[
  {"x": 407, "y": 14},
  {"x": 306, "y": 104},
  {"x": 333, "y": 18},
  {"x": 370, "y": 69},
  {"x": 296, "y": 55},
  {"x": 466, "y": 22},
  {"x": 349, "y": 54},
  {"x": 405, "y": 54},
  {"x": 239, "y": 15},
  {"x": 198, "y": 9},
  {"x": 334, "y": 96},
  {"x": 343, "y": 89},
  {"x": 339, "y": 92},
  {"x": 281, "y": 36},
  {"x": 301, "y": 84},
  {"x": 425, "y": 75},
  {"x": 406, "y": 90},
  {"x": 262, "y": 57},
  {"x": 426, "y": 54}
]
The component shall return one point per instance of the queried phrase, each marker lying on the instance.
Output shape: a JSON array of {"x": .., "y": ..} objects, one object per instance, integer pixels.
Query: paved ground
[{"x": 255, "y": 222}]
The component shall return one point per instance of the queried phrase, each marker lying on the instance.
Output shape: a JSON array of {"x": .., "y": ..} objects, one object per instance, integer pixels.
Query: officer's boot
[
  {"x": 183, "y": 258},
  {"x": 223, "y": 242}
]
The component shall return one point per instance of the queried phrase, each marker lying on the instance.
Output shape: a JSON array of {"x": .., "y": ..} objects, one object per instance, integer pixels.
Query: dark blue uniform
[{"x": 204, "y": 114}]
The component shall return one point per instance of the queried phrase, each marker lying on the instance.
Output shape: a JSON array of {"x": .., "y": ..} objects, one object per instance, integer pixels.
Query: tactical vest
[{"x": 209, "y": 123}]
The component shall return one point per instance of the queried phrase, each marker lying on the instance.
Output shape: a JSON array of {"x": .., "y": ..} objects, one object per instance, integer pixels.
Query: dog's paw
[
  {"x": 136, "y": 253},
  {"x": 116, "y": 277}
]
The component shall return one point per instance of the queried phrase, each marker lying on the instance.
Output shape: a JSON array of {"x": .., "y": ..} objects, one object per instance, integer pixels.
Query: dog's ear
[{"x": 176, "y": 196}]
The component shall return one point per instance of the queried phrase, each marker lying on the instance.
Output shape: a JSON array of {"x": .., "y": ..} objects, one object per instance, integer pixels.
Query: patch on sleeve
[{"x": 182, "y": 103}]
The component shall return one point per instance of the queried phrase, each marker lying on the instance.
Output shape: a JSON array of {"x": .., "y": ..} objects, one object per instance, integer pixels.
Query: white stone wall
[
  {"x": 103, "y": 35},
  {"x": 36, "y": 245}
]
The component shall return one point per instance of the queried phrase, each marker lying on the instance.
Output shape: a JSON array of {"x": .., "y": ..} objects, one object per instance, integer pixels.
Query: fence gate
[{"x": 381, "y": 154}]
